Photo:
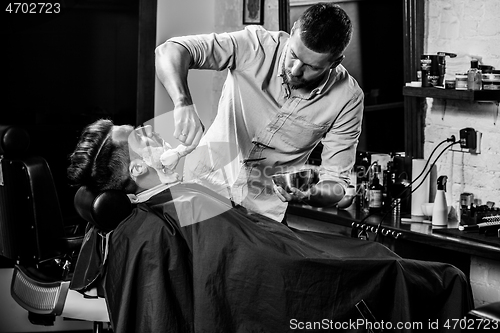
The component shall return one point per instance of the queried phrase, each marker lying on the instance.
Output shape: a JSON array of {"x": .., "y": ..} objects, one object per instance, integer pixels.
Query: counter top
[
  {"x": 466, "y": 95},
  {"x": 407, "y": 228}
]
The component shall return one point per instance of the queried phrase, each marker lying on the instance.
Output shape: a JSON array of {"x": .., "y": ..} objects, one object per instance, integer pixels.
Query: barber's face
[{"x": 304, "y": 67}]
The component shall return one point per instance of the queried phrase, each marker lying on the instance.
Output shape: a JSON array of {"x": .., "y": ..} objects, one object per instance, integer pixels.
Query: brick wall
[{"x": 468, "y": 28}]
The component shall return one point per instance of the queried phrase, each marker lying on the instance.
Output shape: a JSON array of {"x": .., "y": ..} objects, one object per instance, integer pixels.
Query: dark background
[{"x": 65, "y": 70}]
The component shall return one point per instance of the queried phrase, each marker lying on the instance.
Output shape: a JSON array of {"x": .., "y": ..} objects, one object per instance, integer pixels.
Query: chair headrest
[
  {"x": 13, "y": 140},
  {"x": 104, "y": 209}
]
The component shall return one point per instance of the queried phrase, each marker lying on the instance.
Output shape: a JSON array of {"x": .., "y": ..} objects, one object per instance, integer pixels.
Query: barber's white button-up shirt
[{"x": 260, "y": 128}]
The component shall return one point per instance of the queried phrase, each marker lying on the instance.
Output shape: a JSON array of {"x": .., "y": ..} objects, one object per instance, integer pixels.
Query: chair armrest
[
  {"x": 489, "y": 311},
  {"x": 40, "y": 297},
  {"x": 70, "y": 244}
]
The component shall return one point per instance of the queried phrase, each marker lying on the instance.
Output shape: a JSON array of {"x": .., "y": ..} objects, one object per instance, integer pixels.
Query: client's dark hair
[
  {"x": 97, "y": 161},
  {"x": 325, "y": 28}
]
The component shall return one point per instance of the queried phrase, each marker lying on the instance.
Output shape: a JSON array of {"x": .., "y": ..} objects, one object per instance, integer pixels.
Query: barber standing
[{"x": 283, "y": 95}]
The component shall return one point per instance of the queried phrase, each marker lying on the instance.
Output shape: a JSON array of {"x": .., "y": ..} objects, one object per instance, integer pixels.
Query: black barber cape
[{"x": 188, "y": 261}]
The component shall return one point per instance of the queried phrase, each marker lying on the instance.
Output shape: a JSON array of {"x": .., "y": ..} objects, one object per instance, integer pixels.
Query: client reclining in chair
[{"x": 189, "y": 260}]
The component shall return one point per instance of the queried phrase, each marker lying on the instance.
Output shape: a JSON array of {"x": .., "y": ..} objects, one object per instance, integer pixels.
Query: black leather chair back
[
  {"x": 105, "y": 210},
  {"x": 31, "y": 221}
]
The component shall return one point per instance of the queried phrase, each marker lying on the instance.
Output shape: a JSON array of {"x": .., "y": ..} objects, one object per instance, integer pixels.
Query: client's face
[
  {"x": 148, "y": 147},
  {"x": 121, "y": 133},
  {"x": 140, "y": 140},
  {"x": 144, "y": 138},
  {"x": 137, "y": 138}
]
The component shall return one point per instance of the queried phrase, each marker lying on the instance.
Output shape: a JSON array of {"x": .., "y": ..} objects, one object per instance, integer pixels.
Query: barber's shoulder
[
  {"x": 262, "y": 35},
  {"x": 342, "y": 76}
]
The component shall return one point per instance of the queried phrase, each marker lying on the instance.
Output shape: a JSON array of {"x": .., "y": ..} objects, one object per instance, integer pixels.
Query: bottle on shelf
[
  {"x": 375, "y": 191},
  {"x": 474, "y": 76}
]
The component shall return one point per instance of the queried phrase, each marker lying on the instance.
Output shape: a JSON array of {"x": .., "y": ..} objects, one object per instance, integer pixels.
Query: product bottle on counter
[
  {"x": 389, "y": 181},
  {"x": 375, "y": 191},
  {"x": 361, "y": 170},
  {"x": 474, "y": 76},
  {"x": 440, "y": 208},
  {"x": 362, "y": 194},
  {"x": 362, "y": 166}
]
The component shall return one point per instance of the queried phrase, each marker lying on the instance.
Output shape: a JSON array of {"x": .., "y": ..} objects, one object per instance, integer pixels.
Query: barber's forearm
[
  {"x": 172, "y": 65},
  {"x": 326, "y": 193}
]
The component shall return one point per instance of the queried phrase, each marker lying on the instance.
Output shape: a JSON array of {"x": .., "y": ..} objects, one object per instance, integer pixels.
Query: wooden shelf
[
  {"x": 383, "y": 107},
  {"x": 466, "y": 95}
]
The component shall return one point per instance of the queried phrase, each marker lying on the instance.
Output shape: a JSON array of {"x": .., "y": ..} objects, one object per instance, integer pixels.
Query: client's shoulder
[
  {"x": 189, "y": 204},
  {"x": 187, "y": 192}
]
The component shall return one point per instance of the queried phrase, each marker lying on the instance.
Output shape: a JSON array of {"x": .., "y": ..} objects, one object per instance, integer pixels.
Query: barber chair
[
  {"x": 34, "y": 236},
  {"x": 32, "y": 228},
  {"x": 485, "y": 317}
]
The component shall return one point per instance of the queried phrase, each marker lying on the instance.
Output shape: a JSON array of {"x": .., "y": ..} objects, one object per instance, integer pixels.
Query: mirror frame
[
  {"x": 146, "y": 74},
  {"x": 414, "y": 116},
  {"x": 284, "y": 15},
  {"x": 413, "y": 41}
]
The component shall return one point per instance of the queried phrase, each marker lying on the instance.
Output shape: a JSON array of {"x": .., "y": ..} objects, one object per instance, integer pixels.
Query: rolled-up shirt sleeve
[
  {"x": 340, "y": 143},
  {"x": 220, "y": 51},
  {"x": 208, "y": 51}
]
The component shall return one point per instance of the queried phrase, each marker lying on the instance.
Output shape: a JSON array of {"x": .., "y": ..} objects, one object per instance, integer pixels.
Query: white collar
[{"x": 147, "y": 194}]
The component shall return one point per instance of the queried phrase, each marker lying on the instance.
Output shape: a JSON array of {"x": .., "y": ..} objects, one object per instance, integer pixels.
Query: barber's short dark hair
[
  {"x": 325, "y": 28},
  {"x": 97, "y": 161}
]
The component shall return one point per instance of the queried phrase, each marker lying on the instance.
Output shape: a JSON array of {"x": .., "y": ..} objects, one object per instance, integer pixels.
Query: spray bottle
[{"x": 440, "y": 209}]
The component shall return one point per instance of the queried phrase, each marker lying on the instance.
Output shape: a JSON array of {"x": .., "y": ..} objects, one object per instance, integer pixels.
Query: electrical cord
[
  {"x": 452, "y": 139},
  {"x": 421, "y": 173},
  {"x": 394, "y": 201},
  {"x": 414, "y": 189},
  {"x": 425, "y": 168}
]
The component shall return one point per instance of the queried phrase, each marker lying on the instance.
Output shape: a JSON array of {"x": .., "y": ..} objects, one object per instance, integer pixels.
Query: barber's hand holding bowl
[
  {"x": 294, "y": 195},
  {"x": 345, "y": 202},
  {"x": 348, "y": 198},
  {"x": 294, "y": 186}
]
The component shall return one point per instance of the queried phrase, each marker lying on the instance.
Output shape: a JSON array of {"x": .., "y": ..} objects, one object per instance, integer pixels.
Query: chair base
[{"x": 41, "y": 320}]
